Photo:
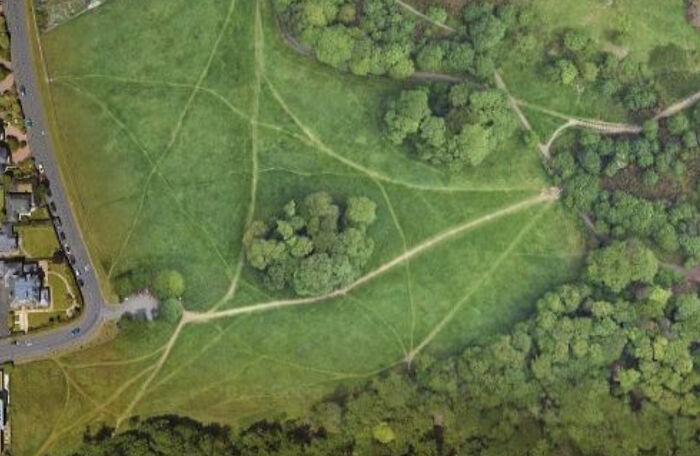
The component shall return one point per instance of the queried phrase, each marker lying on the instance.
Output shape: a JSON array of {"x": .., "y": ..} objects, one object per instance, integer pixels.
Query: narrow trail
[
  {"x": 484, "y": 279},
  {"x": 415, "y": 12},
  {"x": 613, "y": 128},
  {"x": 259, "y": 62},
  {"x": 547, "y": 195},
  {"x": 545, "y": 148},
  {"x": 679, "y": 106}
]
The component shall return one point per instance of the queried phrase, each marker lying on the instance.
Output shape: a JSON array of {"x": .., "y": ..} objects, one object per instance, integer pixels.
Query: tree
[
  {"x": 575, "y": 40},
  {"x": 471, "y": 143},
  {"x": 433, "y": 131},
  {"x": 334, "y": 46},
  {"x": 361, "y": 211},
  {"x": 459, "y": 57},
  {"x": 405, "y": 114},
  {"x": 168, "y": 284},
  {"x": 678, "y": 124},
  {"x": 567, "y": 71},
  {"x": 620, "y": 264}
]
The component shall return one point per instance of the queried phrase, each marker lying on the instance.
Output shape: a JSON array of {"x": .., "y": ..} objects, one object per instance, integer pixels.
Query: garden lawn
[
  {"x": 174, "y": 149},
  {"x": 38, "y": 240}
]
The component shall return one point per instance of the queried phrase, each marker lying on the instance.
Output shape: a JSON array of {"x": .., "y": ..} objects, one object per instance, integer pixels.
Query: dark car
[
  {"x": 62, "y": 235},
  {"x": 75, "y": 332},
  {"x": 22, "y": 90},
  {"x": 29, "y": 123},
  {"x": 81, "y": 283},
  {"x": 53, "y": 206},
  {"x": 71, "y": 258},
  {"x": 57, "y": 221}
]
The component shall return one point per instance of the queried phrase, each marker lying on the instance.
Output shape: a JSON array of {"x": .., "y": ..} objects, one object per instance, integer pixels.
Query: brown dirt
[
  {"x": 693, "y": 14},
  {"x": 630, "y": 180},
  {"x": 7, "y": 83}
]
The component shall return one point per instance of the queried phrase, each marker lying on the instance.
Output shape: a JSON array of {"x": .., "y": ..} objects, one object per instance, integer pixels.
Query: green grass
[
  {"x": 165, "y": 176},
  {"x": 38, "y": 240}
]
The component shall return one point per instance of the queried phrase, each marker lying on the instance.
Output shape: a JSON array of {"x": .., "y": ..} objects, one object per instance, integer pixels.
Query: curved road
[{"x": 50, "y": 343}]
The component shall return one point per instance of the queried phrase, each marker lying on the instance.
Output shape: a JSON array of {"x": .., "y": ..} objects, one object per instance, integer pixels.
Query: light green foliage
[
  {"x": 383, "y": 433},
  {"x": 168, "y": 284},
  {"x": 334, "y": 46},
  {"x": 405, "y": 114},
  {"x": 567, "y": 71},
  {"x": 620, "y": 264}
]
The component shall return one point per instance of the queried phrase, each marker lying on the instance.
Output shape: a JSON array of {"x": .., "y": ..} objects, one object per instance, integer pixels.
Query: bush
[{"x": 168, "y": 284}]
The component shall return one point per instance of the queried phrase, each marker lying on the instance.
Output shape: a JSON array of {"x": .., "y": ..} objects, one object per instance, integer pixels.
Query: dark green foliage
[
  {"x": 574, "y": 59},
  {"x": 630, "y": 184},
  {"x": 315, "y": 247},
  {"x": 592, "y": 372},
  {"x": 382, "y": 38},
  {"x": 165, "y": 284},
  {"x": 452, "y": 128}
]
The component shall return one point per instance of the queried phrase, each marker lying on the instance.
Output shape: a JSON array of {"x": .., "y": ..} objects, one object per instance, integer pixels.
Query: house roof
[
  {"x": 24, "y": 285},
  {"x": 17, "y": 204},
  {"x": 8, "y": 239}
]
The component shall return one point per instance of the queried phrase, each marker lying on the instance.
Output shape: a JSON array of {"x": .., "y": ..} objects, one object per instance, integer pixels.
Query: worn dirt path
[
  {"x": 546, "y": 195},
  {"x": 679, "y": 106}
]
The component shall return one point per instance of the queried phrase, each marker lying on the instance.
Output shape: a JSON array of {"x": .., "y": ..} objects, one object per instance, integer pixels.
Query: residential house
[
  {"x": 9, "y": 240},
  {"x": 18, "y": 205},
  {"x": 23, "y": 286}
]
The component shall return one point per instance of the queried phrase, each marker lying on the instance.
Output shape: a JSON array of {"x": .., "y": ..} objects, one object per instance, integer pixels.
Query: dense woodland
[
  {"x": 642, "y": 185},
  {"x": 605, "y": 365}
]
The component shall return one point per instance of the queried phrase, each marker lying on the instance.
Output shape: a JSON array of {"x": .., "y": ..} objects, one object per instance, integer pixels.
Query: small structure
[
  {"x": 9, "y": 240},
  {"x": 18, "y": 205}
]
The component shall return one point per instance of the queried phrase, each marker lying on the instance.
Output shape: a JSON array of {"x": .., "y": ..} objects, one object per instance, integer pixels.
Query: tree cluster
[
  {"x": 638, "y": 185},
  {"x": 380, "y": 37},
  {"x": 450, "y": 126},
  {"x": 574, "y": 59},
  {"x": 164, "y": 284},
  {"x": 314, "y": 247},
  {"x": 604, "y": 366}
]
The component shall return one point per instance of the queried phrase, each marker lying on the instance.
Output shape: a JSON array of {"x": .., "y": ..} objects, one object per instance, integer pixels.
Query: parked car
[
  {"x": 53, "y": 206},
  {"x": 22, "y": 90},
  {"x": 62, "y": 235},
  {"x": 66, "y": 248},
  {"x": 75, "y": 331},
  {"x": 57, "y": 220},
  {"x": 71, "y": 258},
  {"x": 81, "y": 283},
  {"x": 29, "y": 123}
]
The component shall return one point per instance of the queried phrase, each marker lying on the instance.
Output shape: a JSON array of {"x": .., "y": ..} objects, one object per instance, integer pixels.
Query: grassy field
[{"x": 174, "y": 139}]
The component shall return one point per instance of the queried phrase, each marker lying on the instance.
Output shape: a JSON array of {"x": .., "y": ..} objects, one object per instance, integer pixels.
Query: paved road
[{"x": 47, "y": 344}]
